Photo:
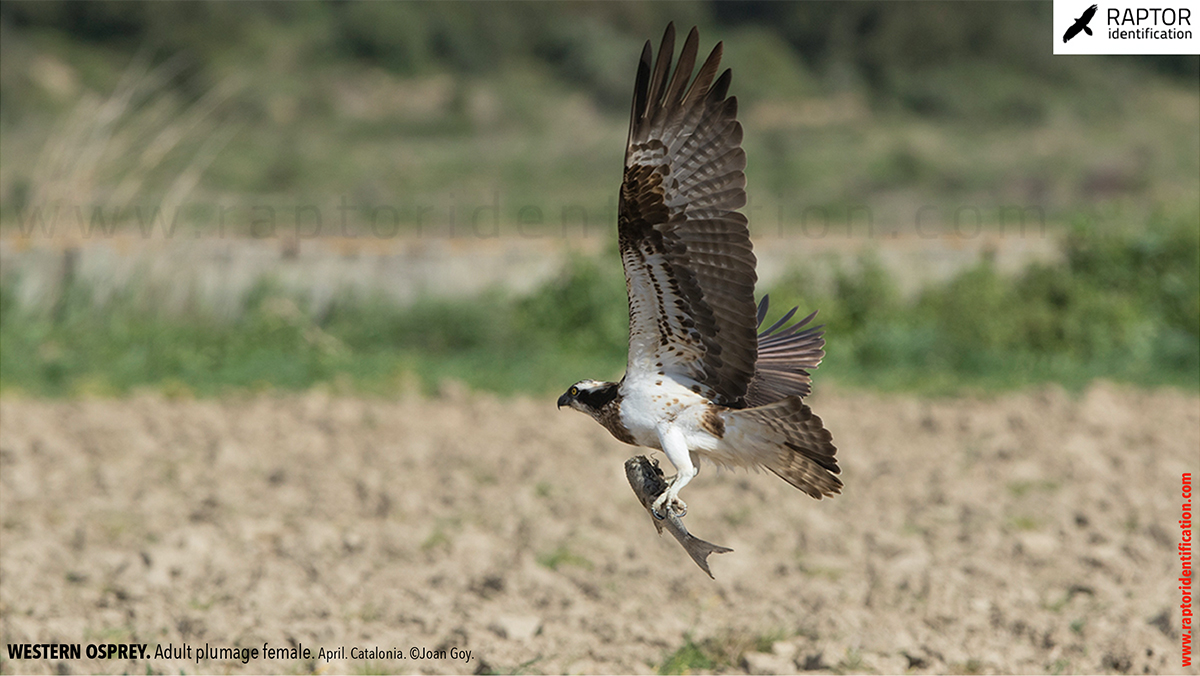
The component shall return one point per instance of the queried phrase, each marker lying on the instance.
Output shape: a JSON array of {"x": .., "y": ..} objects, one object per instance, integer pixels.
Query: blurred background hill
[{"x": 966, "y": 209}]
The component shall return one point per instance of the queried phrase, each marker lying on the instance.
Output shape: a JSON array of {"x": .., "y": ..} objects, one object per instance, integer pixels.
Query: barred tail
[{"x": 787, "y": 438}]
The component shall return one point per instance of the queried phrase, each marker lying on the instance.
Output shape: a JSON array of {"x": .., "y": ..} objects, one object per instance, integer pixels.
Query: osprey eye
[{"x": 574, "y": 390}]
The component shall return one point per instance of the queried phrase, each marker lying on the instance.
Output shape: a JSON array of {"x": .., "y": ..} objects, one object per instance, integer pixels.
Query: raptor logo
[{"x": 1081, "y": 24}]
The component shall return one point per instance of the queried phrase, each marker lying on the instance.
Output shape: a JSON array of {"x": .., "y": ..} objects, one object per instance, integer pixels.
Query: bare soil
[{"x": 1032, "y": 532}]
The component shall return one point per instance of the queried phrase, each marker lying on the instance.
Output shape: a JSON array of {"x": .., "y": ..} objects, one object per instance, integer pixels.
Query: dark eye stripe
[{"x": 599, "y": 397}]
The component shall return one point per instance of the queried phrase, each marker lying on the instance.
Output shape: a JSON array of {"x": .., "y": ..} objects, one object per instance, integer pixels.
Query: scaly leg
[{"x": 673, "y": 444}]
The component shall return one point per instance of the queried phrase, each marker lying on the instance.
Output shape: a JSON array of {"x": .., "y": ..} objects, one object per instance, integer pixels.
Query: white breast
[{"x": 649, "y": 402}]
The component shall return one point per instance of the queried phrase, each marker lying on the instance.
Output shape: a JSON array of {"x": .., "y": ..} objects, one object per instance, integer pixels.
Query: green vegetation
[
  {"x": 439, "y": 109},
  {"x": 1120, "y": 306},
  {"x": 1124, "y": 306},
  {"x": 563, "y": 556},
  {"x": 568, "y": 329},
  {"x": 717, "y": 653},
  {"x": 688, "y": 658},
  {"x": 432, "y": 108}
]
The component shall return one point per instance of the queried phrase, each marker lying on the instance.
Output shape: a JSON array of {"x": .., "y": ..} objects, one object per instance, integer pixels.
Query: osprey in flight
[{"x": 701, "y": 381}]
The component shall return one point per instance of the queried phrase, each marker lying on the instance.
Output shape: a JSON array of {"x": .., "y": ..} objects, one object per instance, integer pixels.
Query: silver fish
[{"x": 646, "y": 479}]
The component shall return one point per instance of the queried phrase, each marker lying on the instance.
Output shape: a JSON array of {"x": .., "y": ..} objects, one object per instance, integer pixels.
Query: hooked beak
[{"x": 564, "y": 400}]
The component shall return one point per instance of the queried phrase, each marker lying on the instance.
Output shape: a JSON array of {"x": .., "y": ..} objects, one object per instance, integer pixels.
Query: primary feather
[{"x": 689, "y": 264}]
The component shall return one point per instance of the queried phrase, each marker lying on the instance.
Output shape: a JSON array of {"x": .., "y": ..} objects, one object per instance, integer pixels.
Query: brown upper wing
[{"x": 689, "y": 266}]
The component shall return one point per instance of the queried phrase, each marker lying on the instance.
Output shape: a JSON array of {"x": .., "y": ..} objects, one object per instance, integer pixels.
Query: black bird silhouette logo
[{"x": 1081, "y": 24}]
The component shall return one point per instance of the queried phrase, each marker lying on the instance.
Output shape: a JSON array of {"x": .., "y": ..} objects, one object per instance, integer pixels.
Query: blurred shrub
[
  {"x": 779, "y": 73},
  {"x": 1121, "y": 305},
  {"x": 395, "y": 35},
  {"x": 1124, "y": 306},
  {"x": 982, "y": 92},
  {"x": 898, "y": 51},
  {"x": 582, "y": 309}
]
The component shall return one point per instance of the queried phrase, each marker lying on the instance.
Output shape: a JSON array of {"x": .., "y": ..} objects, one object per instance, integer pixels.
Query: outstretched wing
[
  {"x": 786, "y": 354},
  {"x": 689, "y": 266}
]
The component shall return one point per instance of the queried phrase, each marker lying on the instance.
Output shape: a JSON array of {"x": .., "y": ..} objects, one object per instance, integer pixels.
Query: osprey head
[{"x": 588, "y": 396}]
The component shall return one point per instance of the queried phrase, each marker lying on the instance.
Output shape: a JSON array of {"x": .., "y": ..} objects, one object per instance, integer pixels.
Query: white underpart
[{"x": 661, "y": 412}]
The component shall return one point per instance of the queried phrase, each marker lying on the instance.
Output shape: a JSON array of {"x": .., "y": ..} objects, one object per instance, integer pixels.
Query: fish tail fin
[{"x": 700, "y": 550}]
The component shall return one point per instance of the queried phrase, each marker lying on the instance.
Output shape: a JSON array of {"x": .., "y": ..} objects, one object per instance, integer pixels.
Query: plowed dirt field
[{"x": 1030, "y": 532}]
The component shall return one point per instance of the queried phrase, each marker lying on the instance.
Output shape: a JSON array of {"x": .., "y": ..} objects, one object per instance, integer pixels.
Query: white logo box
[{"x": 1128, "y": 27}]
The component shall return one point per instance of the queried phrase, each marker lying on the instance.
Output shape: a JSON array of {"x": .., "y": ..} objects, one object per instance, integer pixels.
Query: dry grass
[{"x": 140, "y": 145}]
